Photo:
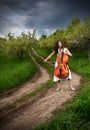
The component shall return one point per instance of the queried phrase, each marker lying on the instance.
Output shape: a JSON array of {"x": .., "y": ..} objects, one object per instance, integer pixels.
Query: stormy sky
[{"x": 45, "y": 16}]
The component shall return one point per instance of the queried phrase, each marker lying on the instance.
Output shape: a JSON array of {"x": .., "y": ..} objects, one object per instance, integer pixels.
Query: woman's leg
[
  {"x": 70, "y": 85},
  {"x": 70, "y": 81},
  {"x": 58, "y": 86}
]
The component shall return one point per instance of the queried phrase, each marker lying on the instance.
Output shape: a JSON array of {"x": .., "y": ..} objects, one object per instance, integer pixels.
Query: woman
[{"x": 58, "y": 49}]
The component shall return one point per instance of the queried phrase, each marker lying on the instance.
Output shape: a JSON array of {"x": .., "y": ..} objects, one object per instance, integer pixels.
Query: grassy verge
[
  {"x": 76, "y": 115},
  {"x": 14, "y": 71}
]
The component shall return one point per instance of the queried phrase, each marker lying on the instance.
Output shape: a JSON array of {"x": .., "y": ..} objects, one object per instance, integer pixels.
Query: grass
[
  {"x": 76, "y": 115},
  {"x": 14, "y": 71},
  {"x": 81, "y": 64}
]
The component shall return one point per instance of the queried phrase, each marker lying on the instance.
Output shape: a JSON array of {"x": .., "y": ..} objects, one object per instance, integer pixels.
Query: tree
[
  {"x": 34, "y": 34},
  {"x": 87, "y": 36},
  {"x": 2, "y": 44},
  {"x": 74, "y": 22},
  {"x": 9, "y": 36},
  {"x": 20, "y": 44},
  {"x": 44, "y": 36}
]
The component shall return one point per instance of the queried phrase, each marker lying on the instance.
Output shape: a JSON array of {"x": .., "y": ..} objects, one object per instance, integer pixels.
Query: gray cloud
[{"x": 44, "y": 16}]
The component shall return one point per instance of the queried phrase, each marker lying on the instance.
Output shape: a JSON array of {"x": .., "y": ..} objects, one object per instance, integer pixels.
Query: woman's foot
[
  {"x": 72, "y": 88},
  {"x": 58, "y": 89}
]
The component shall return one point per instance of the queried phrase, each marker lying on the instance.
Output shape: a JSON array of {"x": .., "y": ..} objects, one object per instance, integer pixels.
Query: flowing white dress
[{"x": 55, "y": 79}]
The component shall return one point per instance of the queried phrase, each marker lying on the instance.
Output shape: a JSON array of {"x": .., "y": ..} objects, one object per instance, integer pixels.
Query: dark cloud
[{"x": 45, "y": 16}]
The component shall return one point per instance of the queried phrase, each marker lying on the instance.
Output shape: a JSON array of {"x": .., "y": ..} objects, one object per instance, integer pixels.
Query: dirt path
[
  {"x": 39, "y": 108},
  {"x": 28, "y": 87}
]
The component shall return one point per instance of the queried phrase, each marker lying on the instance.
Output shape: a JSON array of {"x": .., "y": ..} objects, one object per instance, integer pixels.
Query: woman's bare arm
[
  {"x": 68, "y": 52},
  {"x": 49, "y": 56}
]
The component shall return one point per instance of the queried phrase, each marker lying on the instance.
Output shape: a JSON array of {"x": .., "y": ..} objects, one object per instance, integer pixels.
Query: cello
[{"x": 62, "y": 71}]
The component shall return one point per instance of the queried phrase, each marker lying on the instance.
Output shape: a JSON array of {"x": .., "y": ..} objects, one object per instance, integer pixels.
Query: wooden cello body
[{"x": 62, "y": 71}]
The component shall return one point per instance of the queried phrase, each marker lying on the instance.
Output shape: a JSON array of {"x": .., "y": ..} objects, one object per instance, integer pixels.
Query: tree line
[
  {"x": 76, "y": 35},
  {"x": 11, "y": 45}
]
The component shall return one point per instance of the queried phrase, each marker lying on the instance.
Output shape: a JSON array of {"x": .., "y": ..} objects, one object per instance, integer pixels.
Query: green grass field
[
  {"x": 14, "y": 71},
  {"x": 75, "y": 115}
]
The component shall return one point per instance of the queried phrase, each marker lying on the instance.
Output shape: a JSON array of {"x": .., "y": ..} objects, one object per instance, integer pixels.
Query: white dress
[{"x": 55, "y": 79}]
